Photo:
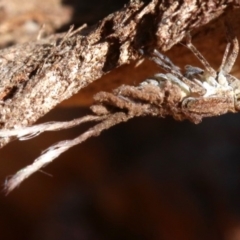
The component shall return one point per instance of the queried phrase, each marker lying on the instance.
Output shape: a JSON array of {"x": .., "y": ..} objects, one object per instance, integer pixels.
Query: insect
[{"x": 205, "y": 92}]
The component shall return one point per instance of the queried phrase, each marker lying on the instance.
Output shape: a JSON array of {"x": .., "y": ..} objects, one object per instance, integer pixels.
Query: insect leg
[
  {"x": 200, "y": 57},
  {"x": 225, "y": 55},
  {"x": 166, "y": 64},
  {"x": 229, "y": 61}
]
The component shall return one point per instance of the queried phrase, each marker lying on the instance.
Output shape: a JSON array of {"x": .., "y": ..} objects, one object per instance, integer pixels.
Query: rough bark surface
[{"x": 37, "y": 76}]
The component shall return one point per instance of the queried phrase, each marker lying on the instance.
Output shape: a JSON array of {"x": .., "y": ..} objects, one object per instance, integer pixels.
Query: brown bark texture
[{"x": 38, "y": 75}]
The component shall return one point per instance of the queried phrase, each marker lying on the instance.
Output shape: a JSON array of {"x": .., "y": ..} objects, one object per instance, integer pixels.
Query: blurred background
[{"x": 149, "y": 178}]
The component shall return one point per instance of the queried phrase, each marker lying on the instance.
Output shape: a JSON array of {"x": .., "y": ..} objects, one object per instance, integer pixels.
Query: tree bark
[{"x": 37, "y": 76}]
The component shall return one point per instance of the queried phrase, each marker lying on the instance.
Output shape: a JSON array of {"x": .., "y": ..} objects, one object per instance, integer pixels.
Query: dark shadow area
[
  {"x": 149, "y": 178},
  {"x": 90, "y": 12}
]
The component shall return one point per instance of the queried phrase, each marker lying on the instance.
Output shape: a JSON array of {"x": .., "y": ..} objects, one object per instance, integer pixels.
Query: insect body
[{"x": 205, "y": 92}]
